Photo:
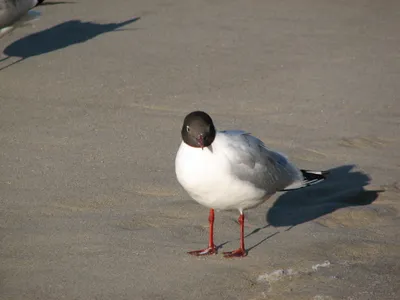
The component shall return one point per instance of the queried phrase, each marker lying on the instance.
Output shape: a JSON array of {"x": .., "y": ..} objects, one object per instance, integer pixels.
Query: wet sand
[{"x": 90, "y": 124}]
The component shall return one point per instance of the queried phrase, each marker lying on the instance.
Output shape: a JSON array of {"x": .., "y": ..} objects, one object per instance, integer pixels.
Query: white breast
[{"x": 206, "y": 175}]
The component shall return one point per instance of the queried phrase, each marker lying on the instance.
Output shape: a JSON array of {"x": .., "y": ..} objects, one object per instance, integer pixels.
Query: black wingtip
[
  {"x": 313, "y": 177},
  {"x": 309, "y": 178},
  {"x": 316, "y": 173}
]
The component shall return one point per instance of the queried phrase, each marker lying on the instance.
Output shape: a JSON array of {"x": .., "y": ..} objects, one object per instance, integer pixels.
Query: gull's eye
[{"x": 187, "y": 128}]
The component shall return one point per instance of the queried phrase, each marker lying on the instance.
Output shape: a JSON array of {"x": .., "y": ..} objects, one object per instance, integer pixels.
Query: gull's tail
[{"x": 309, "y": 178}]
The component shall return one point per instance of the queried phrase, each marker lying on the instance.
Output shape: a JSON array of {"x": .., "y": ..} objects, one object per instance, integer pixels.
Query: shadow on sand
[
  {"x": 59, "y": 37},
  {"x": 342, "y": 188}
]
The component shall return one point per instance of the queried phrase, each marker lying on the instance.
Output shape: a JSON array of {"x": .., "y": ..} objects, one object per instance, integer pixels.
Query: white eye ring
[{"x": 187, "y": 128}]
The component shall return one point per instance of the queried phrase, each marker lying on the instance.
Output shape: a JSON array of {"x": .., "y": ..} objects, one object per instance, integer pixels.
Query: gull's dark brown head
[{"x": 198, "y": 130}]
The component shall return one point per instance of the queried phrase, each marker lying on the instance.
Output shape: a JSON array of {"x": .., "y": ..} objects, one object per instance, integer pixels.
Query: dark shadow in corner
[
  {"x": 59, "y": 37},
  {"x": 342, "y": 188}
]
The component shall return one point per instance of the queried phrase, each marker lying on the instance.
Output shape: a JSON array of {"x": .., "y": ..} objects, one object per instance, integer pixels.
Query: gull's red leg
[
  {"x": 241, "y": 252},
  {"x": 211, "y": 249}
]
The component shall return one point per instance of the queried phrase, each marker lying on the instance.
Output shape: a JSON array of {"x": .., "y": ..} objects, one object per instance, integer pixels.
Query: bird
[
  {"x": 14, "y": 13},
  {"x": 232, "y": 170}
]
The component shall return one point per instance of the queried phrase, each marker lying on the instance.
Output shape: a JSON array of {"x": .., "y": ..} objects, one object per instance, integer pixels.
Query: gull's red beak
[{"x": 200, "y": 141}]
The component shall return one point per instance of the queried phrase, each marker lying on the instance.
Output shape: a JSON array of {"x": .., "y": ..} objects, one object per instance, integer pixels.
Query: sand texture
[{"x": 92, "y": 96}]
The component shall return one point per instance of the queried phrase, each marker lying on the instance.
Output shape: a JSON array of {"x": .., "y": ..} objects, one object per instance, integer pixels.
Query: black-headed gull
[
  {"x": 15, "y": 13},
  {"x": 227, "y": 170}
]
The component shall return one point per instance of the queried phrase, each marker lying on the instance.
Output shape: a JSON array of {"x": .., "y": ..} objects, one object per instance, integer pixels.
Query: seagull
[
  {"x": 14, "y": 13},
  {"x": 232, "y": 170}
]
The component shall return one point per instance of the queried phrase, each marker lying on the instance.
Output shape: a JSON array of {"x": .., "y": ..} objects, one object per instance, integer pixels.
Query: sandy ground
[{"x": 90, "y": 124}]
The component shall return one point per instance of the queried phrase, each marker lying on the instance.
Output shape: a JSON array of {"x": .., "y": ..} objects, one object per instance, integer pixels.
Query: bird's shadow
[
  {"x": 342, "y": 188},
  {"x": 58, "y": 37}
]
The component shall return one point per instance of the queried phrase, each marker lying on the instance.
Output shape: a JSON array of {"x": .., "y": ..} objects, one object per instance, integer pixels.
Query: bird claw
[{"x": 235, "y": 253}]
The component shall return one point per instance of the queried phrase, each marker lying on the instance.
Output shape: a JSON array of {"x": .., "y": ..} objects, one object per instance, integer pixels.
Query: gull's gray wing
[{"x": 252, "y": 161}]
